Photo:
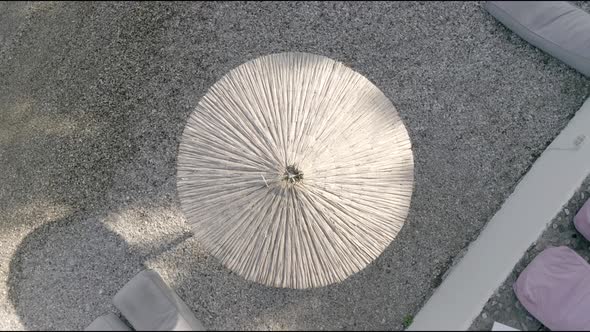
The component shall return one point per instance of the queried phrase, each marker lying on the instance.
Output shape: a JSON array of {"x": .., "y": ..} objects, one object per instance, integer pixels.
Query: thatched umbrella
[{"x": 295, "y": 171}]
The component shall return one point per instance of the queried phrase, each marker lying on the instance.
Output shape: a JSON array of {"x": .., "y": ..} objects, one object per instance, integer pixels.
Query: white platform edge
[{"x": 537, "y": 199}]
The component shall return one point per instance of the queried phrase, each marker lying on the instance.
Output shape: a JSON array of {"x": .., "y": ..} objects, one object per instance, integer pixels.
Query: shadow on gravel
[{"x": 65, "y": 273}]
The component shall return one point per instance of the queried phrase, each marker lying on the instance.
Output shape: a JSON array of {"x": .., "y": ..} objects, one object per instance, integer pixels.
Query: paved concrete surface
[
  {"x": 94, "y": 97},
  {"x": 539, "y": 195},
  {"x": 503, "y": 306}
]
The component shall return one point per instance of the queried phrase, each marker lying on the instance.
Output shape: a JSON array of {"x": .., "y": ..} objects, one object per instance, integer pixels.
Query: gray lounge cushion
[
  {"x": 108, "y": 322},
  {"x": 556, "y": 27},
  {"x": 149, "y": 304}
]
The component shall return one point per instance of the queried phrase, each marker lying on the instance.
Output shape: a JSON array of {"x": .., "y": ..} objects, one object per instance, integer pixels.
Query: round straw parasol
[{"x": 295, "y": 171}]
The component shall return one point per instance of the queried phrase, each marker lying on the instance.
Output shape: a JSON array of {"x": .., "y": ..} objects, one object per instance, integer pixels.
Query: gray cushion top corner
[
  {"x": 108, "y": 322},
  {"x": 149, "y": 304},
  {"x": 556, "y": 27}
]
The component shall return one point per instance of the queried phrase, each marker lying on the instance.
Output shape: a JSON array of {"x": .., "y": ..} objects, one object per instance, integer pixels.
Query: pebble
[
  {"x": 554, "y": 226},
  {"x": 484, "y": 316},
  {"x": 568, "y": 242},
  {"x": 494, "y": 302},
  {"x": 567, "y": 212}
]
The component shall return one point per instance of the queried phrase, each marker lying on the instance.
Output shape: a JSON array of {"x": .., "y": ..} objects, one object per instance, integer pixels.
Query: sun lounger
[
  {"x": 149, "y": 304},
  {"x": 556, "y": 27}
]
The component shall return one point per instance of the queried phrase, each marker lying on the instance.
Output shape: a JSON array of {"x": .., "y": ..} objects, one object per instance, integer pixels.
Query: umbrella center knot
[{"x": 292, "y": 174}]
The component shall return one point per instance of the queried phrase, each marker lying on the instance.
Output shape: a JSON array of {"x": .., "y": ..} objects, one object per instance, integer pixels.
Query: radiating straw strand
[{"x": 295, "y": 112}]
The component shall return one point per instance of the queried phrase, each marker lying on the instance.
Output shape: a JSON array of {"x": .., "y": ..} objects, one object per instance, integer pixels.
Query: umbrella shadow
[
  {"x": 64, "y": 274},
  {"x": 227, "y": 301}
]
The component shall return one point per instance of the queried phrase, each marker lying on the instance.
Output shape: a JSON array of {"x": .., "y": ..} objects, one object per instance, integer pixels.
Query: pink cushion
[
  {"x": 582, "y": 220},
  {"x": 555, "y": 288}
]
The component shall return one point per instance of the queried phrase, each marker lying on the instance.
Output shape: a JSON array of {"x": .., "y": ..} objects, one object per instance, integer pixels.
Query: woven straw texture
[{"x": 295, "y": 171}]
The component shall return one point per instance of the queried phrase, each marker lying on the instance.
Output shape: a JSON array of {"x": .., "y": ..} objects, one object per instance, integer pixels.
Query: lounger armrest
[{"x": 108, "y": 322}]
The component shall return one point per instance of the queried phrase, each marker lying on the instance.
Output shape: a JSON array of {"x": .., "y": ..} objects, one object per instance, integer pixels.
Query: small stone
[
  {"x": 554, "y": 226},
  {"x": 568, "y": 242},
  {"x": 383, "y": 321},
  {"x": 529, "y": 318},
  {"x": 582, "y": 195},
  {"x": 100, "y": 292},
  {"x": 494, "y": 303},
  {"x": 566, "y": 211},
  {"x": 484, "y": 316}
]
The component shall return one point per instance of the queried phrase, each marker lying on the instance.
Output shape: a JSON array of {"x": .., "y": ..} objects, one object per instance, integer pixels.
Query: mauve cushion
[
  {"x": 582, "y": 220},
  {"x": 108, "y": 322},
  {"x": 555, "y": 288}
]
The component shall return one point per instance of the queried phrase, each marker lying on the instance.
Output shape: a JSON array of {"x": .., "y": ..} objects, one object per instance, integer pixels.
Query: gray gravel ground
[
  {"x": 503, "y": 306},
  {"x": 94, "y": 97}
]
